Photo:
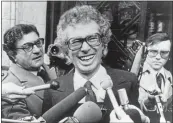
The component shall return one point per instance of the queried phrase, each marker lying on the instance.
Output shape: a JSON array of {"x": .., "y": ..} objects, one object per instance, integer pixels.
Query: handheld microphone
[
  {"x": 132, "y": 112},
  {"x": 107, "y": 85},
  {"x": 57, "y": 111},
  {"x": 160, "y": 108},
  {"x": 53, "y": 85},
  {"x": 89, "y": 112}
]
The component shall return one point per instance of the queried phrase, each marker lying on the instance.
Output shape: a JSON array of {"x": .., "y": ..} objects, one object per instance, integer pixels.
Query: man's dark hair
[
  {"x": 157, "y": 38},
  {"x": 15, "y": 34}
]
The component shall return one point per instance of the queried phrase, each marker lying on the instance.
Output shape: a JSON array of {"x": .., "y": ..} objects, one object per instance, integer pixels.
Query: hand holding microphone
[
  {"x": 16, "y": 92},
  {"x": 160, "y": 108},
  {"x": 135, "y": 113},
  {"x": 114, "y": 119},
  {"x": 27, "y": 119}
]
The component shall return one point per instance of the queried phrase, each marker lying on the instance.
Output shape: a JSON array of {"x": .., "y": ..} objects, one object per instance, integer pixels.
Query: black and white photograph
[{"x": 86, "y": 61}]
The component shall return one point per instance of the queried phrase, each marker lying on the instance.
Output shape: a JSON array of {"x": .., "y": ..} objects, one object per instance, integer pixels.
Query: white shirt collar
[
  {"x": 96, "y": 79},
  {"x": 147, "y": 67},
  {"x": 36, "y": 72},
  {"x": 150, "y": 76}
]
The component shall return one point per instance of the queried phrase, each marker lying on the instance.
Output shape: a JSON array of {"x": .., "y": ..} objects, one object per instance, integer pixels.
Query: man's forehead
[
  {"x": 82, "y": 30},
  {"x": 28, "y": 38},
  {"x": 161, "y": 45}
]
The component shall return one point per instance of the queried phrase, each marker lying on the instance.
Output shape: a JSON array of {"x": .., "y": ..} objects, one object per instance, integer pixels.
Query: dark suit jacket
[
  {"x": 120, "y": 78},
  {"x": 32, "y": 105}
]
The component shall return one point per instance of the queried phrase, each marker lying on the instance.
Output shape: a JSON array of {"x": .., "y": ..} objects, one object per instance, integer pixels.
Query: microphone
[
  {"x": 89, "y": 112},
  {"x": 160, "y": 108},
  {"x": 53, "y": 85},
  {"x": 132, "y": 112},
  {"x": 107, "y": 85},
  {"x": 57, "y": 111}
]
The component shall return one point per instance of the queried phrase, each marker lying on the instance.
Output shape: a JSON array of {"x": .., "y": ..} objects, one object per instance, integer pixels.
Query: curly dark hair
[{"x": 15, "y": 34}]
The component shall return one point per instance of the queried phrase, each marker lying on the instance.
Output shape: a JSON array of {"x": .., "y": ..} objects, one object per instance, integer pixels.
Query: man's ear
[
  {"x": 12, "y": 56},
  {"x": 105, "y": 50}
]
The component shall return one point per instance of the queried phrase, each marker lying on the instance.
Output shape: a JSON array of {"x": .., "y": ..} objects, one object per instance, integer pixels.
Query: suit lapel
[
  {"x": 66, "y": 82},
  {"x": 27, "y": 79},
  {"x": 66, "y": 88}
]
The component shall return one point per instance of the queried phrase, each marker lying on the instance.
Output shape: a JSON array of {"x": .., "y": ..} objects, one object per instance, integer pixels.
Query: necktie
[
  {"x": 43, "y": 75},
  {"x": 90, "y": 95},
  {"x": 159, "y": 80}
]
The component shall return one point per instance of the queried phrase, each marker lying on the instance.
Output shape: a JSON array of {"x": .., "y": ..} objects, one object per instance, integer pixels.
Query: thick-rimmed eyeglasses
[
  {"x": 154, "y": 53},
  {"x": 91, "y": 40},
  {"x": 28, "y": 47}
]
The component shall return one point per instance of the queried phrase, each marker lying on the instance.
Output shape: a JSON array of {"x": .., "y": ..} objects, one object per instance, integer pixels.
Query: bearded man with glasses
[
  {"x": 155, "y": 79},
  {"x": 25, "y": 49}
]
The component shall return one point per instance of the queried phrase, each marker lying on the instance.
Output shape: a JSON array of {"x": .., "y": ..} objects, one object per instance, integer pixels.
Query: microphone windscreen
[
  {"x": 89, "y": 112},
  {"x": 57, "y": 111},
  {"x": 107, "y": 83}
]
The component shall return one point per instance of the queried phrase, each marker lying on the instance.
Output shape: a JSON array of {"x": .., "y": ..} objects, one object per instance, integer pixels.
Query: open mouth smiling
[{"x": 86, "y": 58}]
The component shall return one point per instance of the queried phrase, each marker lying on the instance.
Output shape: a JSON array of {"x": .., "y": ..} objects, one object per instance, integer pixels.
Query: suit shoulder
[
  {"x": 10, "y": 78},
  {"x": 4, "y": 74},
  {"x": 66, "y": 80},
  {"x": 122, "y": 75},
  {"x": 168, "y": 72},
  {"x": 119, "y": 72}
]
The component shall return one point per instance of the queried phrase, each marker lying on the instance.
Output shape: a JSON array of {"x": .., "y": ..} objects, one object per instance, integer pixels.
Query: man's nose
[
  {"x": 36, "y": 49},
  {"x": 85, "y": 47},
  {"x": 158, "y": 56}
]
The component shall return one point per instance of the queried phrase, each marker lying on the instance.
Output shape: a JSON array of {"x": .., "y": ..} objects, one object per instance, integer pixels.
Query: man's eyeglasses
[
  {"x": 163, "y": 54},
  {"x": 29, "y": 46},
  {"x": 91, "y": 40}
]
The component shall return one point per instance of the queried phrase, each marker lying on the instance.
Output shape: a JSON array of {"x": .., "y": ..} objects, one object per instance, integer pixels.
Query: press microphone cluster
[
  {"x": 57, "y": 112},
  {"x": 133, "y": 113},
  {"x": 87, "y": 112}
]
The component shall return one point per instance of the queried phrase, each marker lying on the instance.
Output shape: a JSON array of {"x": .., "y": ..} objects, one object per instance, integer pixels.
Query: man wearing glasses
[
  {"x": 155, "y": 79},
  {"x": 25, "y": 49},
  {"x": 83, "y": 33}
]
